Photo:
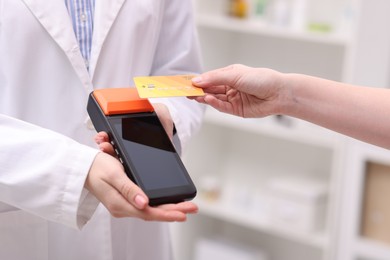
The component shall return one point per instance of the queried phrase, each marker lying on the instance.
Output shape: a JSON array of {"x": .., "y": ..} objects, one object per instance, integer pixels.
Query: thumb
[
  {"x": 116, "y": 177},
  {"x": 223, "y": 76},
  {"x": 131, "y": 192}
]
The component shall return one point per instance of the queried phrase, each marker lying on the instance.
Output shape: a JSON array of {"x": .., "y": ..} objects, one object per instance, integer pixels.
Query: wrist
[
  {"x": 296, "y": 88},
  {"x": 285, "y": 86}
]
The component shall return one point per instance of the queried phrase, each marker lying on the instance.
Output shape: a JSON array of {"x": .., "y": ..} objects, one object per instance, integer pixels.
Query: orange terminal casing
[{"x": 114, "y": 101}]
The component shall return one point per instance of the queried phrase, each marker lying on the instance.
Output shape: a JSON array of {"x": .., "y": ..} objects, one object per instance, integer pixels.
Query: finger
[
  {"x": 107, "y": 148},
  {"x": 218, "y": 104},
  {"x": 185, "y": 207},
  {"x": 129, "y": 190},
  {"x": 119, "y": 207},
  {"x": 222, "y": 97},
  {"x": 219, "y": 89},
  {"x": 159, "y": 214},
  {"x": 199, "y": 99},
  {"x": 101, "y": 137}
]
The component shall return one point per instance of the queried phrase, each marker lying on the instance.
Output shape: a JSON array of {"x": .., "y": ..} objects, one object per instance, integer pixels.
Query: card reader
[{"x": 143, "y": 147}]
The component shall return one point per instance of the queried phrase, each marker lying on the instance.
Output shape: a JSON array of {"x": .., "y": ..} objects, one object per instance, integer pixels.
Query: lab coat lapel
[
  {"x": 106, "y": 11},
  {"x": 54, "y": 17}
]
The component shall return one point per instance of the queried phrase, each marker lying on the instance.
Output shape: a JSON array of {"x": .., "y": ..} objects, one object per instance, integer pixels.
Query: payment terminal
[{"x": 143, "y": 147}]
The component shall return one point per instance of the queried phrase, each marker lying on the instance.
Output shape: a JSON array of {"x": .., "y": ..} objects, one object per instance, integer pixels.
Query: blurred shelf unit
[
  {"x": 285, "y": 187},
  {"x": 336, "y": 39},
  {"x": 275, "y": 39},
  {"x": 236, "y": 193},
  {"x": 221, "y": 22},
  {"x": 272, "y": 177}
]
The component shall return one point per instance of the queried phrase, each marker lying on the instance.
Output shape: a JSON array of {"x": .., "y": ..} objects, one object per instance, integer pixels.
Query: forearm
[
  {"x": 359, "y": 112},
  {"x": 43, "y": 173}
]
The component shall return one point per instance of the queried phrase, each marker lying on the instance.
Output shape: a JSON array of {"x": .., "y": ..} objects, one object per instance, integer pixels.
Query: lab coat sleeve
[
  {"x": 43, "y": 173},
  {"x": 178, "y": 53}
]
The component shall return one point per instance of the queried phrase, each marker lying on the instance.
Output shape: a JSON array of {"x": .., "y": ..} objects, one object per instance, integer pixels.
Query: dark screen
[{"x": 150, "y": 151}]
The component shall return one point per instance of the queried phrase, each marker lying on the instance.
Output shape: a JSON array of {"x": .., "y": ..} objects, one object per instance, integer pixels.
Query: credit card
[{"x": 166, "y": 86}]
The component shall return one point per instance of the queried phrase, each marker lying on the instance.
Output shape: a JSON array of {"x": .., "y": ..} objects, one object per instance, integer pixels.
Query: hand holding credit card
[{"x": 166, "y": 86}]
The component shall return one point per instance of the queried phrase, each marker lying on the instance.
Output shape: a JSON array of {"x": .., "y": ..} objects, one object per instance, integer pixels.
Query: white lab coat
[{"x": 45, "y": 136}]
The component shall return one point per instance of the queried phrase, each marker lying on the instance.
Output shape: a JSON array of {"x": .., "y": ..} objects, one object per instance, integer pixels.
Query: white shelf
[
  {"x": 369, "y": 249},
  {"x": 257, "y": 27},
  {"x": 261, "y": 224},
  {"x": 284, "y": 128}
]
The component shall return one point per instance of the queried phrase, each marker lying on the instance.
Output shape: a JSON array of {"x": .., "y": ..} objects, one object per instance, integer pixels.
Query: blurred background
[{"x": 279, "y": 188}]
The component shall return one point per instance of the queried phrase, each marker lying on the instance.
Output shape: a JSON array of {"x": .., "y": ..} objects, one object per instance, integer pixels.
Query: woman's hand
[{"x": 242, "y": 91}]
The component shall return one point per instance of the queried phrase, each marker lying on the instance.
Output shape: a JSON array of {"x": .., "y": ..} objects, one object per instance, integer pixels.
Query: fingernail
[
  {"x": 197, "y": 80},
  {"x": 140, "y": 201}
]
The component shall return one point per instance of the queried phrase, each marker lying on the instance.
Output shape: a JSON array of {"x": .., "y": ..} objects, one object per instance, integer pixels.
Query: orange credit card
[{"x": 166, "y": 86}]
